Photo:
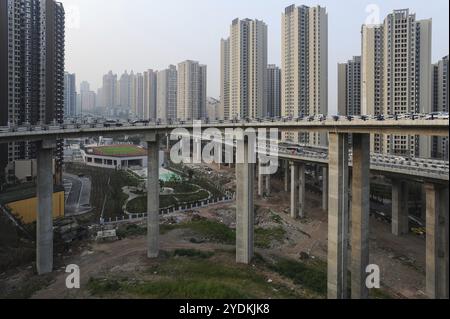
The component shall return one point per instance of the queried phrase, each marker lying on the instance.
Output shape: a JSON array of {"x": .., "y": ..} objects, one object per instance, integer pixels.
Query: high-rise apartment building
[
  {"x": 70, "y": 95},
  {"x": 139, "y": 95},
  {"x": 349, "y": 87},
  {"x": 191, "y": 91},
  {"x": 396, "y": 76},
  {"x": 109, "y": 90},
  {"x": 167, "y": 81},
  {"x": 133, "y": 101},
  {"x": 273, "y": 91},
  {"x": 247, "y": 69},
  {"x": 124, "y": 91},
  {"x": 31, "y": 71},
  {"x": 225, "y": 75},
  {"x": 87, "y": 97},
  {"x": 304, "y": 71},
  {"x": 440, "y": 104},
  {"x": 150, "y": 94}
]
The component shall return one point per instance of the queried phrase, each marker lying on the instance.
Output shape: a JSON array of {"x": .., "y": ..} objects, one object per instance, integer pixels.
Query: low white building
[{"x": 115, "y": 156}]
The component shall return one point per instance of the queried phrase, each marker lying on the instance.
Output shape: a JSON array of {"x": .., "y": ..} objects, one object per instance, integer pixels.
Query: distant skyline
[{"x": 119, "y": 35}]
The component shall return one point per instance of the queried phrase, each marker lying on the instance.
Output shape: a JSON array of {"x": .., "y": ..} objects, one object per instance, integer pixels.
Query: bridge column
[
  {"x": 268, "y": 188},
  {"x": 301, "y": 190},
  {"x": 197, "y": 151},
  {"x": 360, "y": 215},
  {"x": 337, "y": 216},
  {"x": 261, "y": 178},
  {"x": 245, "y": 175},
  {"x": 400, "y": 214},
  {"x": 44, "y": 192},
  {"x": 153, "y": 196},
  {"x": 294, "y": 190},
  {"x": 286, "y": 176},
  {"x": 325, "y": 188},
  {"x": 437, "y": 242}
]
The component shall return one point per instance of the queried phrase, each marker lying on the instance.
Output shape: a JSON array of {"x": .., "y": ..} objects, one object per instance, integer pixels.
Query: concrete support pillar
[
  {"x": 268, "y": 188},
  {"x": 286, "y": 176},
  {"x": 325, "y": 188},
  {"x": 245, "y": 175},
  {"x": 437, "y": 242},
  {"x": 260, "y": 181},
  {"x": 301, "y": 190},
  {"x": 337, "y": 216},
  {"x": 153, "y": 197},
  {"x": 423, "y": 207},
  {"x": 294, "y": 190},
  {"x": 44, "y": 192},
  {"x": 197, "y": 151},
  {"x": 360, "y": 215},
  {"x": 400, "y": 222}
]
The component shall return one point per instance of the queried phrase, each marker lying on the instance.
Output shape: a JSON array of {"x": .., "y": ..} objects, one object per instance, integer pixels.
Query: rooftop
[{"x": 126, "y": 150}]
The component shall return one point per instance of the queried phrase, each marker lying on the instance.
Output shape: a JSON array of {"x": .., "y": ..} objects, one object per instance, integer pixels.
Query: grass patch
[
  {"x": 129, "y": 150},
  {"x": 379, "y": 294},
  {"x": 276, "y": 218},
  {"x": 311, "y": 276},
  {"x": 209, "y": 230},
  {"x": 265, "y": 237},
  {"x": 27, "y": 288},
  {"x": 193, "y": 253},
  {"x": 191, "y": 198},
  {"x": 217, "y": 232},
  {"x": 131, "y": 230},
  {"x": 193, "y": 277}
]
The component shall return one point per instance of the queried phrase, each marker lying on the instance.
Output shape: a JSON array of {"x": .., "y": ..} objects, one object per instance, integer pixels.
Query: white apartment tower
[
  {"x": 225, "y": 75},
  {"x": 191, "y": 94},
  {"x": 125, "y": 90},
  {"x": 247, "y": 65},
  {"x": 139, "y": 95},
  {"x": 167, "y": 81},
  {"x": 304, "y": 70},
  {"x": 396, "y": 76},
  {"x": 70, "y": 95},
  {"x": 150, "y": 94},
  {"x": 440, "y": 104},
  {"x": 109, "y": 90}
]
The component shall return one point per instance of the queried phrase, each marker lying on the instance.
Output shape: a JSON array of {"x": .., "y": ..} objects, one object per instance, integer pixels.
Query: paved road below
[{"x": 79, "y": 195}]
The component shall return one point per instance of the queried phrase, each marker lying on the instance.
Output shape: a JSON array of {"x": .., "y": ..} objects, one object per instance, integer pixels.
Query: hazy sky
[{"x": 121, "y": 35}]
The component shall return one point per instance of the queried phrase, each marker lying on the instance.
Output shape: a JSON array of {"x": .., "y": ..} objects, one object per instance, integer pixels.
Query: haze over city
[{"x": 119, "y": 35}]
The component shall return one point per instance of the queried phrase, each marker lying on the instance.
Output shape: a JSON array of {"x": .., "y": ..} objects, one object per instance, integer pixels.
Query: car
[
  {"x": 141, "y": 122},
  {"x": 364, "y": 117},
  {"x": 321, "y": 117},
  {"x": 112, "y": 123}
]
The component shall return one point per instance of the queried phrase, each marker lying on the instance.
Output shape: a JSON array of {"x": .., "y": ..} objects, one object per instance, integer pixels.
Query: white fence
[{"x": 131, "y": 218}]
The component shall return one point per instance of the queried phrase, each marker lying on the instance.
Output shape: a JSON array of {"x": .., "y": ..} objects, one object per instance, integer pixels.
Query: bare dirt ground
[{"x": 401, "y": 259}]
